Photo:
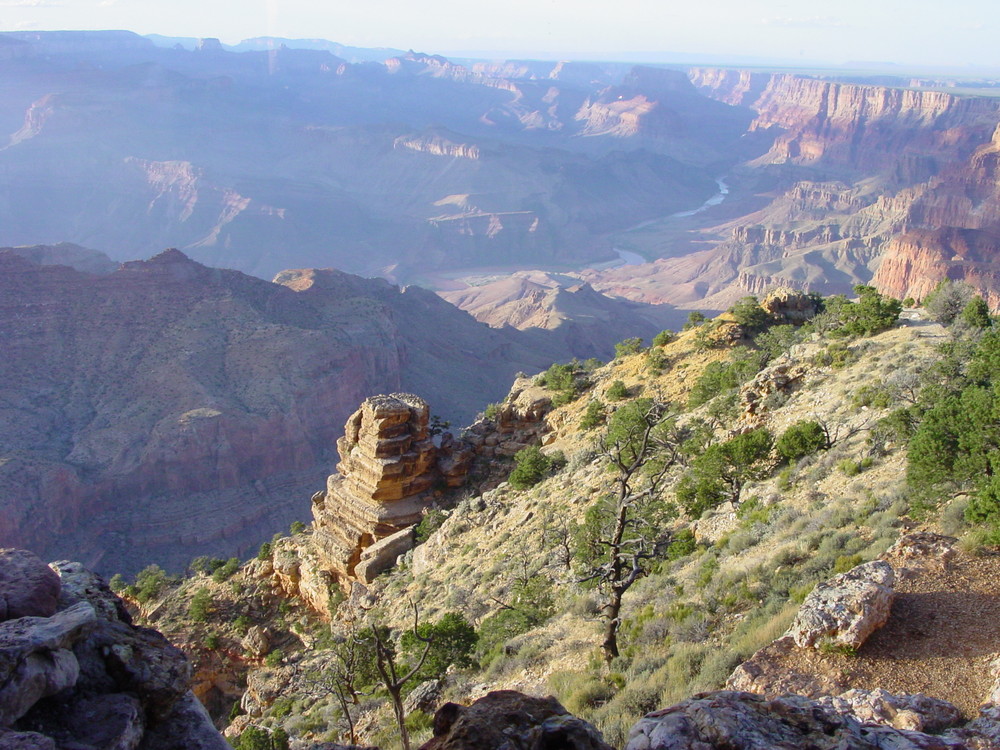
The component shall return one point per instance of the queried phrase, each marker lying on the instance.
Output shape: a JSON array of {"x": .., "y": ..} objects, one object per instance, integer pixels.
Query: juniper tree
[{"x": 624, "y": 531}]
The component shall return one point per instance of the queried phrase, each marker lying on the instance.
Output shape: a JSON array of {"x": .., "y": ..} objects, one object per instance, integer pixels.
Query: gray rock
[
  {"x": 36, "y": 660},
  {"x": 109, "y": 722},
  {"x": 848, "y": 608},
  {"x": 257, "y": 641},
  {"x": 743, "y": 721},
  {"x": 25, "y": 741},
  {"x": 916, "y": 712},
  {"x": 424, "y": 697},
  {"x": 143, "y": 662},
  {"x": 28, "y": 587},
  {"x": 80, "y": 585},
  {"x": 187, "y": 727}
]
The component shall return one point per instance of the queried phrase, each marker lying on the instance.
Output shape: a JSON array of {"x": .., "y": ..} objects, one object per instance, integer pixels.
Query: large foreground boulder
[
  {"x": 83, "y": 677},
  {"x": 848, "y": 608},
  {"x": 509, "y": 720},
  {"x": 28, "y": 587}
]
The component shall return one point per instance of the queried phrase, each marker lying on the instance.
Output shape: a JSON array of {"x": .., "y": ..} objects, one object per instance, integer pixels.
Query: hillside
[{"x": 733, "y": 563}]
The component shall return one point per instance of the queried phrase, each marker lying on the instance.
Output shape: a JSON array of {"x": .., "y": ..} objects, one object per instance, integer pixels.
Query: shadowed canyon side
[{"x": 193, "y": 409}]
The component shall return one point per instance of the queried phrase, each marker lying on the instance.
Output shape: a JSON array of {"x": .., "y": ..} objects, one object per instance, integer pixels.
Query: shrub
[
  {"x": 664, "y": 337},
  {"x": 491, "y": 411},
  {"x": 211, "y": 641},
  {"x": 297, "y": 527},
  {"x": 226, "y": 571},
  {"x": 274, "y": 658},
  {"x": 149, "y": 582},
  {"x": 801, "y": 439},
  {"x": 242, "y": 624},
  {"x": 558, "y": 377},
  {"x": 201, "y": 605},
  {"x": 948, "y": 300},
  {"x": 976, "y": 313},
  {"x": 265, "y": 551},
  {"x": 593, "y": 416},
  {"x": 531, "y": 467},
  {"x": 430, "y": 523},
  {"x": 750, "y": 316},
  {"x": 655, "y": 361},
  {"x": 616, "y": 391},
  {"x": 206, "y": 565},
  {"x": 117, "y": 583},
  {"x": 453, "y": 640},
  {"x": 628, "y": 346},
  {"x": 694, "y": 320}
]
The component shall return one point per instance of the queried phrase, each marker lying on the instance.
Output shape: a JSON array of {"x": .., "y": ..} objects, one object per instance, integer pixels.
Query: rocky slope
[
  {"x": 192, "y": 409},
  {"x": 819, "y": 549}
]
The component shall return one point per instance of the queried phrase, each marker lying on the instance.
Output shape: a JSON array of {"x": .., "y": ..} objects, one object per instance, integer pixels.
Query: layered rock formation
[
  {"x": 77, "y": 674},
  {"x": 386, "y": 476}
]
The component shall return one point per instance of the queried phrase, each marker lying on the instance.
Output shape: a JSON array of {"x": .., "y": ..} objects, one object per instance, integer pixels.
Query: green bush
[
  {"x": 453, "y": 641},
  {"x": 801, "y": 439},
  {"x": 655, "y": 361},
  {"x": 211, "y": 641},
  {"x": 201, "y": 605},
  {"x": 593, "y": 416},
  {"x": 266, "y": 551},
  {"x": 976, "y": 314},
  {"x": 149, "y": 582},
  {"x": 117, "y": 583},
  {"x": 297, "y": 527},
  {"x": 530, "y": 467},
  {"x": 616, "y": 391},
  {"x": 225, "y": 572},
  {"x": 750, "y": 316},
  {"x": 430, "y": 523},
  {"x": 664, "y": 337},
  {"x": 491, "y": 412},
  {"x": 628, "y": 346},
  {"x": 694, "y": 320}
]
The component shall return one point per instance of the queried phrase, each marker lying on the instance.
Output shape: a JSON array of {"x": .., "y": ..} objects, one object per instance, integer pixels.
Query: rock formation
[
  {"x": 848, "y": 608},
  {"x": 506, "y": 718},
  {"x": 78, "y": 674},
  {"x": 386, "y": 477},
  {"x": 743, "y": 721}
]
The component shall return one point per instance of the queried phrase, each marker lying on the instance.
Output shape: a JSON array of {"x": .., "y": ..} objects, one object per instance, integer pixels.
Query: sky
[{"x": 932, "y": 33}]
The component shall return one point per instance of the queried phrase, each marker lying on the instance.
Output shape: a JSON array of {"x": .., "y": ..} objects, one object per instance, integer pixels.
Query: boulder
[
  {"x": 508, "y": 719},
  {"x": 112, "y": 721},
  {"x": 28, "y": 587},
  {"x": 80, "y": 585},
  {"x": 26, "y": 741},
  {"x": 36, "y": 660},
  {"x": 424, "y": 697},
  {"x": 743, "y": 721},
  {"x": 918, "y": 712},
  {"x": 187, "y": 727},
  {"x": 257, "y": 641},
  {"x": 848, "y": 608}
]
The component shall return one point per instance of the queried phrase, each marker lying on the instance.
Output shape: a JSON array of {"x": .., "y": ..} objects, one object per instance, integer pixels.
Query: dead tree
[{"x": 389, "y": 672}]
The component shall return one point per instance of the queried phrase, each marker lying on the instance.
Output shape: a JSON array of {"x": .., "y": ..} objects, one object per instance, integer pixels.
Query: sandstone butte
[{"x": 389, "y": 466}]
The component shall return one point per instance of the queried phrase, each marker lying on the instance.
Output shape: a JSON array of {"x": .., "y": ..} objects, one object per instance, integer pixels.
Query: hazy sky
[{"x": 932, "y": 32}]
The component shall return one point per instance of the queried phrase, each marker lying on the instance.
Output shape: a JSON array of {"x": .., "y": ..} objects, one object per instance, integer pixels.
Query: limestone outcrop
[
  {"x": 386, "y": 478},
  {"x": 83, "y": 677},
  {"x": 848, "y": 608}
]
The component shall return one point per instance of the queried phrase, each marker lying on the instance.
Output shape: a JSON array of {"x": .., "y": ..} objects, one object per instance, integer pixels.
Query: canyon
[{"x": 185, "y": 408}]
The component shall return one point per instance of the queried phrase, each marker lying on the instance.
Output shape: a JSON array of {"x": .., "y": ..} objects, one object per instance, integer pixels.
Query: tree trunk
[{"x": 612, "y": 609}]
